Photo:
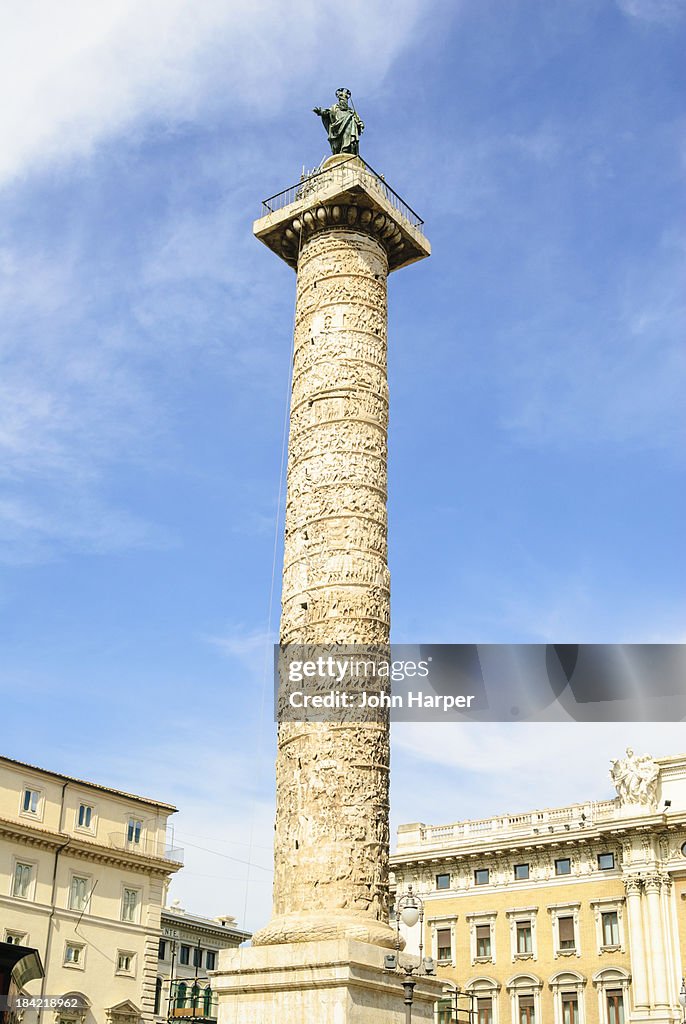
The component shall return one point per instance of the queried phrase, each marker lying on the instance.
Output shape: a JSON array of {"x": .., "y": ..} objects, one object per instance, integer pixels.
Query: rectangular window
[
  {"x": 21, "y": 883},
  {"x": 443, "y": 943},
  {"x": 484, "y": 1011},
  {"x": 78, "y": 894},
  {"x": 185, "y": 955},
  {"x": 610, "y": 928},
  {"x": 606, "y": 861},
  {"x": 615, "y": 1008},
  {"x": 526, "y": 1010},
  {"x": 481, "y": 876},
  {"x": 161, "y": 949},
  {"x": 442, "y": 881},
  {"x": 483, "y": 940},
  {"x": 565, "y": 932},
  {"x": 563, "y": 866},
  {"x": 133, "y": 832},
  {"x": 125, "y": 963},
  {"x": 73, "y": 955},
  {"x": 30, "y": 801},
  {"x": 197, "y": 957},
  {"x": 129, "y": 906},
  {"x": 524, "y": 937},
  {"x": 570, "y": 1008},
  {"x": 85, "y": 816},
  {"x": 210, "y": 959},
  {"x": 521, "y": 872},
  {"x": 444, "y": 1012}
]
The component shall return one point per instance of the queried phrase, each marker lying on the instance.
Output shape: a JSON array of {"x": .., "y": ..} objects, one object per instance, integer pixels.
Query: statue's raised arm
[{"x": 342, "y": 123}]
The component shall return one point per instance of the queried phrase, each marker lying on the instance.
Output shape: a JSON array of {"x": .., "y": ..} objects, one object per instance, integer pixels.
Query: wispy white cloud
[
  {"x": 226, "y": 813},
  {"x": 80, "y": 72},
  {"x": 612, "y": 371},
  {"x": 665, "y": 12},
  {"x": 496, "y": 768},
  {"x": 82, "y": 387}
]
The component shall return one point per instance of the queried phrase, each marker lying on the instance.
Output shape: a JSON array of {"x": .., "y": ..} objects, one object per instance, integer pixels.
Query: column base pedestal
[{"x": 339, "y": 981}]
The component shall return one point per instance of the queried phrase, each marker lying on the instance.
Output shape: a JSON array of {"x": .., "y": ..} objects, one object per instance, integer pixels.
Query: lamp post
[
  {"x": 682, "y": 999},
  {"x": 410, "y": 910}
]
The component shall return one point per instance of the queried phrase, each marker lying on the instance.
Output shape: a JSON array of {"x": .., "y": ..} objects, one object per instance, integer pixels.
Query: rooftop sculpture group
[{"x": 635, "y": 778}]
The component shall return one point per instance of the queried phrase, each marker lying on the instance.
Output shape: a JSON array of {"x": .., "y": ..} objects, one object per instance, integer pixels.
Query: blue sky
[{"x": 536, "y": 371}]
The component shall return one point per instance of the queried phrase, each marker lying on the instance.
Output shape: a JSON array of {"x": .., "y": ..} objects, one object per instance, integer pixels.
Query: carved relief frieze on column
[{"x": 331, "y": 842}]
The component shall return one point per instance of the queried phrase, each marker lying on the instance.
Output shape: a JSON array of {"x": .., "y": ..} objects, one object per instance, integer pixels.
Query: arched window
[
  {"x": 76, "y": 1014},
  {"x": 612, "y": 984},
  {"x": 195, "y": 996},
  {"x": 568, "y": 997},
  {"x": 483, "y": 993},
  {"x": 181, "y": 995},
  {"x": 525, "y": 998},
  {"x": 207, "y": 1002}
]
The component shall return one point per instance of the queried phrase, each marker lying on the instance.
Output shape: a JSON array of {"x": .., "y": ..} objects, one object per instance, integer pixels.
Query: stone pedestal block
[{"x": 335, "y": 982}]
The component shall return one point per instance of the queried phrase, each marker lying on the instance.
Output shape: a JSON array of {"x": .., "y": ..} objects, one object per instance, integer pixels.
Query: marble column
[
  {"x": 653, "y": 887},
  {"x": 321, "y": 956},
  {"x": 633, "y": 886},
  {"x": 331, "y": 840}
]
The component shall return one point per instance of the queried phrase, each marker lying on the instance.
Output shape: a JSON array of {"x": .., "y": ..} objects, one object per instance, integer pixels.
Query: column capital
[
  {"x": 343, "y": 194},
  {"x": 653, "y": 882},
  {"x": 633, "y": 884}
]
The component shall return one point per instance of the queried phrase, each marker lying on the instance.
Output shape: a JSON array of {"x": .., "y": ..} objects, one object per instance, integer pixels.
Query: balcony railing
[
  {"x": 343, "y": 173},
  {"x": 146, "y": 847},
  {"x": 557, "y": 819}
]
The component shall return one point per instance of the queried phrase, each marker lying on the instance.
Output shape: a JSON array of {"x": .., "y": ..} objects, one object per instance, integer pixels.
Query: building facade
[
  {"x": 84, "y": 871},
  {"x": 188, "y": 952},
  {"x": 573, "y": 915}
]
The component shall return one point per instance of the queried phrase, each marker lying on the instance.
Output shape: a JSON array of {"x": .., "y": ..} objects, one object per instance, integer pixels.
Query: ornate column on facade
[
  {"x": 633, "y": 886},
  {"x": 653, "y": 888},
  {"x": 321, "y": 956}
]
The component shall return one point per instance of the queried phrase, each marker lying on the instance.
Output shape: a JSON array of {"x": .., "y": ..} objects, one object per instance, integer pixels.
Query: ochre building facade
[{"x": 573, "y": 915}]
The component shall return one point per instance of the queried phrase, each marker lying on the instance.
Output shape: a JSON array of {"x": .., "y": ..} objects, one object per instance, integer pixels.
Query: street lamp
[
  {"x": 682, "y": 998},
  {"x": 409, "y": 910}
]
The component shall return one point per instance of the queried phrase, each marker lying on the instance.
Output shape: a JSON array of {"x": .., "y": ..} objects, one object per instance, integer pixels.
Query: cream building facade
[
  {"x": 84, "y": 871},
  {"x": 573, "y": 915},
  {"x": 188, "y": 953}
]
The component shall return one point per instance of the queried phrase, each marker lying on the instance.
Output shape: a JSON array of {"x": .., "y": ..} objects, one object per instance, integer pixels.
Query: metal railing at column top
[{"x": 311, "y": 183}]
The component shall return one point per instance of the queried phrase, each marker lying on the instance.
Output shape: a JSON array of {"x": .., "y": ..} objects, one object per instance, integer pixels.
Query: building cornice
[
  {"x": 46, "y": 839},
  {"x": 504, "y": 845},
  {"x": 147, "y": 801},
  {"x": 211, "y": 928}
]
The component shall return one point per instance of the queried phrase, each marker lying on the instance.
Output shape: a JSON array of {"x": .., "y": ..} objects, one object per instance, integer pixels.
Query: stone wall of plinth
[
  {"x": 332, "y": 833},
  {"x": 334, "y": 982}
]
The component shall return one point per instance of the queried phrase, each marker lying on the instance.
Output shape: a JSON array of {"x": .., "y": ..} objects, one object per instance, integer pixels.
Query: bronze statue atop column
[{"x": 342, "y": 123}]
